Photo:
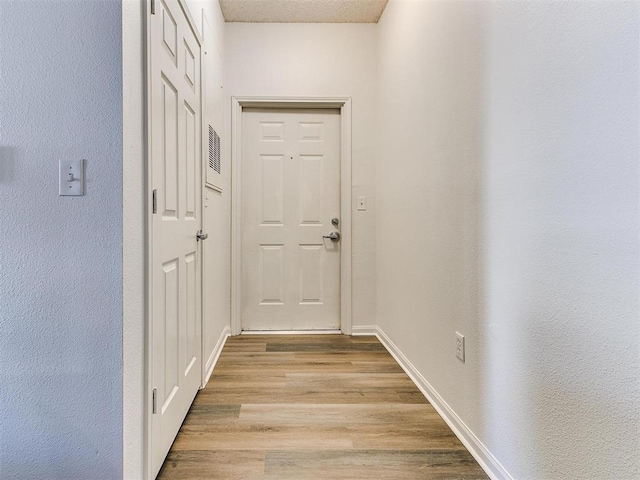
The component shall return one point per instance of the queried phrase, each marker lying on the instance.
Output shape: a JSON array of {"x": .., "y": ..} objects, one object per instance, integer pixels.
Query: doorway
[{"x": 291, "y": 161}]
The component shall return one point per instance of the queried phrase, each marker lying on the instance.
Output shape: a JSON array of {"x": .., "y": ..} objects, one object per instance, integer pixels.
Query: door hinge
[
  {"x": 154, "y": 201},
  {"x": 153, "y": 7},
  {"x": 154, "y": 397}
]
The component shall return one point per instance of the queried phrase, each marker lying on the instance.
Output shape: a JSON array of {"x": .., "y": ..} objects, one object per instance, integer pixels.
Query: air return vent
[{"x": 214, "y": 150}]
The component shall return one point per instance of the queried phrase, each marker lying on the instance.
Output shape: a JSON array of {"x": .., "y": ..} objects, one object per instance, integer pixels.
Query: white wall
[
  {"x": 508, "y": 210},
  {"x": 316, "y": 60},
  {"x": 60, "y": 257},
  {"x": 217, "y": 204}
]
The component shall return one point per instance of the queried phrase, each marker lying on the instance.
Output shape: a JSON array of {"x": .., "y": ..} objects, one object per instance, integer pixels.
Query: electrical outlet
[{"x": 460, "y": 346}]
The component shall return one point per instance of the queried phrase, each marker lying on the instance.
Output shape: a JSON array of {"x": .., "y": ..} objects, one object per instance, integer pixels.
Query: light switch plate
[
  {"x": 362, "y": 204},
  {"x": 71, "y": 178}
]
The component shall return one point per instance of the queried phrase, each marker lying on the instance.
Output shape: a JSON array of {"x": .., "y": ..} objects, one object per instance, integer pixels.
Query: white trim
[
  {"x": 147, "y": 403},
  {"x": 490, "y": 464},
  {"x": 344, "y": 104},
  {"x": 345, "y": 218},
  {"x": 358, "y": 330},
  {"x": 134, "y": 308},
  {"x": 236, "y": 232},
  {"x": 215, "y": 355}
]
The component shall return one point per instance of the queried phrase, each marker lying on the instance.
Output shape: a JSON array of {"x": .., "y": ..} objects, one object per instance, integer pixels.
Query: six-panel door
[
  {"x": 290, "y": 194},
  {"x": 175, "y": 270}
]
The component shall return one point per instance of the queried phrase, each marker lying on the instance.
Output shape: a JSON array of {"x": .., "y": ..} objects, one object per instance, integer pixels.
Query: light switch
[
  {"x": 362, "y": 204},
  {"x": 71, "y": 173}
]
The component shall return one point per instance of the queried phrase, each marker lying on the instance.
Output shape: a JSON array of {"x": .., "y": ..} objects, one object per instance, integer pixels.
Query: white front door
[
  {"x": 175, "y": 329},
  {"x": 290, "y": 195}
]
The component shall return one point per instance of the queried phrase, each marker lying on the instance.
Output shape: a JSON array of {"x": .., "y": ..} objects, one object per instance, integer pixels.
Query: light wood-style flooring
[{"x": 313, "y": 407}]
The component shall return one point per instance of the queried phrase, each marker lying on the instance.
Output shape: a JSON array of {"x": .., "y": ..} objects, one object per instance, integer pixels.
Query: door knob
[
  {"x": 333, "y": 236},
  {"x": 201, "y": 236}
]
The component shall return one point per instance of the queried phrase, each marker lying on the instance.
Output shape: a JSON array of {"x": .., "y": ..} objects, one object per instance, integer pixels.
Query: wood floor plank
[
  {"x": 368, "y": 464},
  {"x": 323, "y": 347},
  {"x": 304, "y": 407},
  {"x": 398, "y": 382},
  {"x": 203, "y": 413},
  {"x": 248, "y": 347},
  {"x": 339, "y": 415},
  {"x": 376, "y": 367},
  {"x": 260, "y": 437},
  {"x": 304, "y": 395},
  {"x": 213, "y": 465}
]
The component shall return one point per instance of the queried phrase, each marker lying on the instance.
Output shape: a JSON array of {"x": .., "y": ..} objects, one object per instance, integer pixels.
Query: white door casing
[
  {"x": 291, "y": 185},
  {"x": 175, "y": 270}
]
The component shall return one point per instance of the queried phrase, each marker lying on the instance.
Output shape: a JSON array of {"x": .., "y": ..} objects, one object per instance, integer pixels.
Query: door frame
[{"x": 237, "y": 106}]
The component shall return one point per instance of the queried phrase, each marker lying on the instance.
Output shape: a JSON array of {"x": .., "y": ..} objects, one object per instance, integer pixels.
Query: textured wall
[
  {"x": 216, "y": 296},
  {"x": 60, "y": 257},
  {"x": 317, "y": 60},
  {"x": 513, "y": 129},
  {"x": 429, "y": 197},
  {"x": 561, "y": 253}
]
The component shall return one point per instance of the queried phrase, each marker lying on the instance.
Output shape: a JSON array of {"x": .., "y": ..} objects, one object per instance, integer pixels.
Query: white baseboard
[
  {"x": 364, "y": 330},
  {"x": 483, "y": 456},
  {"x": 215, "y": 354}
]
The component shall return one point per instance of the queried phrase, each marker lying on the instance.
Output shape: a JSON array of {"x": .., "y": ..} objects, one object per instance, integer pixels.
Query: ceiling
[{"x": 303, "y": 11}]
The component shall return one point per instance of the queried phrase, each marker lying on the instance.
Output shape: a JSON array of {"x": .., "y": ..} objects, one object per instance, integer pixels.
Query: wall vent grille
[{"x": 214, "y": 150}]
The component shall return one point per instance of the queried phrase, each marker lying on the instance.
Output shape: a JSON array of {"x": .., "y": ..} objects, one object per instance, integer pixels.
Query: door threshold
[{"x": 291, "y": 332}]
